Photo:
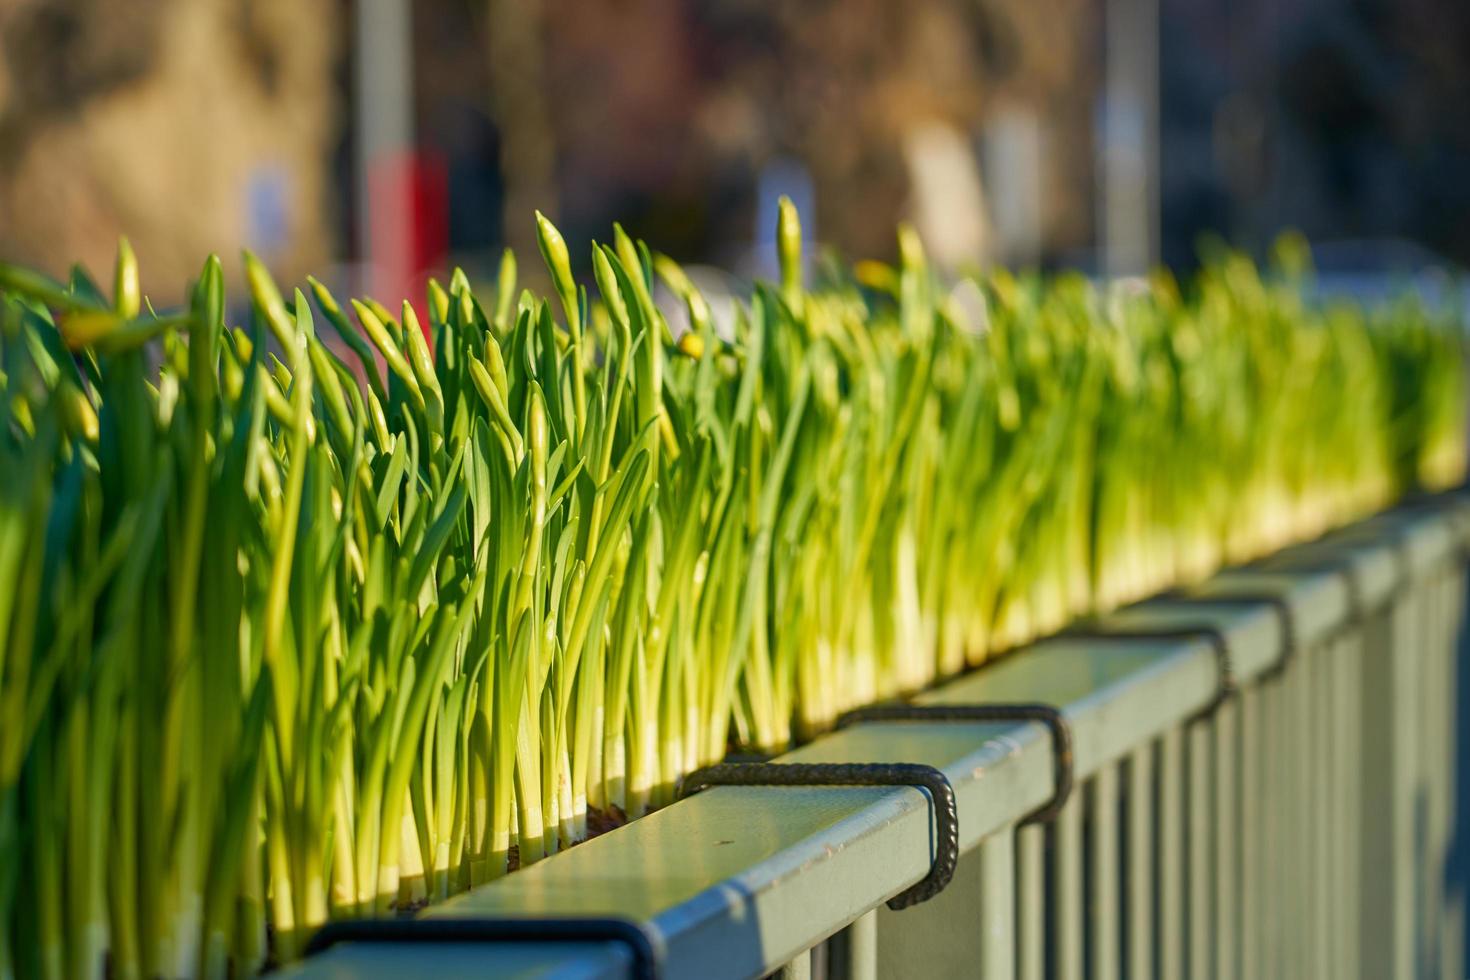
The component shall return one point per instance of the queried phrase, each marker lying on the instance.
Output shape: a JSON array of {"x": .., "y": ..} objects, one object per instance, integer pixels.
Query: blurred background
[{"x": 379, "y": 141}]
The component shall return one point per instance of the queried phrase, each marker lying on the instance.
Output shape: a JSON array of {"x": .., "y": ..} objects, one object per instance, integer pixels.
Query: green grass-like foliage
[{"x": 294, "y": 629}]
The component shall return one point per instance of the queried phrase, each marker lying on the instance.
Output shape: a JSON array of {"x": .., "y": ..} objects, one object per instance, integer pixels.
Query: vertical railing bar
[
  {"x": 1300, "y": 964},
  {"x": 1381, "y": 891},
  {"x": 1351, "y": 736},
  {"x": 1102, "y": 879},
  {"x": 1285, "y": 820},
  {"x": 1444, "y": 738},
  {"x": 1270, "y": 812},
  {"x": 1423, "y": 784},
  {"x": 1405, "y": 693},
  {"x": 1289, "y": 853},
  {"x": 1066, "y": 897},
  {"x": 1409, "y": 853},
  {"x": 1031, "y": 902},
  {"x": 1225, "y": 827},
  {"x": 1169, "y": 864},
  {"x": 1318, "y": 815},
  {"x": 1435, "y": 778},
  {"x": 859, "y": 959},
  {"x": 1350, "y": 742},
  {"x": 799, "y": 968},
  {"x": 1199, "y": 809},
  {"x": 1427, "y": 784},
  {"x": 1287, "y": 849},
  {"x": 1336, "y": 897},
  {"x": 1139, "y": 880},
  {"x": 998, "y": 926},
  {"x": 1448, "y": 680},
  {"x": 1454, "y": 926},
  {"x": 1322, "y": 817},
  {"x": 1248, "y": 809}
]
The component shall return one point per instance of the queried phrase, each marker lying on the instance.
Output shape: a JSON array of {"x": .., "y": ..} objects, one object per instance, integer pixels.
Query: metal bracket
[
  {"x": 1351, "y": 582},
  {"x": 644, "y": 946},
  {"x": 1275, "y": 600},
  {"x": 1048, "y": 715},
  {"x": 928, "y": 778},
  {"x": 1225, "y": 687}
]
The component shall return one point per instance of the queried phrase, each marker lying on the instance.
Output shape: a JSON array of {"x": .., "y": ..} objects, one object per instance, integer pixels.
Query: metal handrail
[{"x": 737, "y": 881}]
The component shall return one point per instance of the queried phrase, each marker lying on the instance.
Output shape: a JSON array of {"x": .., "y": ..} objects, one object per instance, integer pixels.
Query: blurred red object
[{"x": 408, "y": 225}]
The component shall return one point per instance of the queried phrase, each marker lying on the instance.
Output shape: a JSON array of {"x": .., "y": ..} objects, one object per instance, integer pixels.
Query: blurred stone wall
[{"x": 191, "y": 126}]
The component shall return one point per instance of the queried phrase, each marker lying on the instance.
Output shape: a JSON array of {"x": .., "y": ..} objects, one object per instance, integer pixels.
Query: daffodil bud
[
  {"x": 505, "y": 289},
  {"x": 418, "y": 348},
  {"x": 268, "y": 301},
  {"x": 607, "y": 284},
  {"x": 378, "y": 333},
  {"x": 77, "y": 412},
  {"x": 438, "y": 303},
  {"x": 910, "y": 248},
  {"x": 495, "y": 361},
  {"x": 788, "y": 244},
  {"x": 554, "y": 252},
  {"x": 127, "y": 295}
]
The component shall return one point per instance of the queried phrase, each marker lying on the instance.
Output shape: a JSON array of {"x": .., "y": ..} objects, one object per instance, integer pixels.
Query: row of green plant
[{"x": 338, "y": 610}]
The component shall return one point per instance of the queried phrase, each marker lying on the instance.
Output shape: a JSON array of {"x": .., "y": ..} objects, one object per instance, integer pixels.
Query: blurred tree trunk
[
  {"x": 191, "y": 126},
  {"x": 515, "y": 38}
]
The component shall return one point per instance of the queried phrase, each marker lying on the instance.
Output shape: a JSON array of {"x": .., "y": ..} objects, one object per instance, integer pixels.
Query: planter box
[{"x": 1302, "y": 827}]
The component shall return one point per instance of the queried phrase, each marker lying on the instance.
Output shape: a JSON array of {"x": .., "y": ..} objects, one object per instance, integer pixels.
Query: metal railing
[{"x": 1302, "y": 826}]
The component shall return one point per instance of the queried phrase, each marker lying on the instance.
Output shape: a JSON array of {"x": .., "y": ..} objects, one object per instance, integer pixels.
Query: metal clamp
[
  {"x": 1441, "y": 504},
  {"x": 1398, "y": 541},
  {"x": 928, "y": 778},
  {"x": 1275, "y": 600},
  {"x": 1352, "y": 583},
  {"x": 644, "y": 946},
  {"x": 1226, "y": 685},
  {"x": 1049, "y": 715}
]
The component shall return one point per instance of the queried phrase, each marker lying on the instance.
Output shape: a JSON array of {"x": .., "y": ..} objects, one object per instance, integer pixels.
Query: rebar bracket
[
  {"x": 1225, "y": 686},
  {"x": 927, "y": 778},
  {"x": 644, "y": 946},
  {"x": 1275, "y": 600},
  {"x": 1048, "y": 715}
]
